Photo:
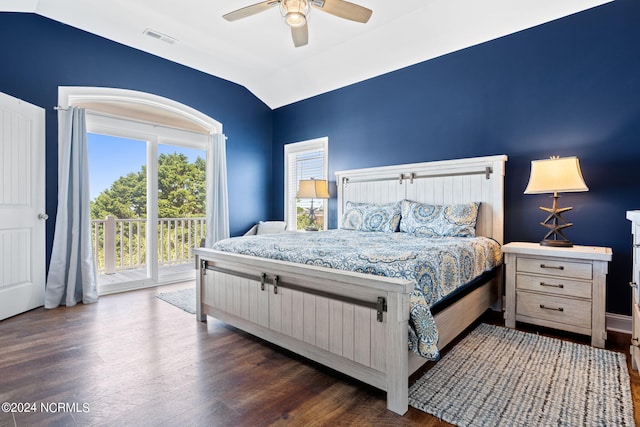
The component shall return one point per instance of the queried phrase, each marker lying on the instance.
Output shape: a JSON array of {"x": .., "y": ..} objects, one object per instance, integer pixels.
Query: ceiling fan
[{"x": 296, "y": 13}]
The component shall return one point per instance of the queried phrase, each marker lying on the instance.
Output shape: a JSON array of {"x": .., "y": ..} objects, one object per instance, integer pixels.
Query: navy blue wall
[
  {"x": 569, "y": 87},
  {"x": 39, "y": 54}
]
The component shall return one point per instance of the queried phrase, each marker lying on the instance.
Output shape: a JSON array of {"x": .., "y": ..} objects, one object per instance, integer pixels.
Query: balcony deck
[{"x": 139, "y": 275}]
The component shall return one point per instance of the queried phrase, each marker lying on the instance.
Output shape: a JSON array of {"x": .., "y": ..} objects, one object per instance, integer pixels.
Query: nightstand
[{"x": 555, "y": 287}]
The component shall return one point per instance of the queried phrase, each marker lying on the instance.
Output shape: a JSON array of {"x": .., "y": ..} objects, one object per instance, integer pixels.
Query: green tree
[
  {"x": 181, "y": 191},
  {"x": 181, "y": 186}
]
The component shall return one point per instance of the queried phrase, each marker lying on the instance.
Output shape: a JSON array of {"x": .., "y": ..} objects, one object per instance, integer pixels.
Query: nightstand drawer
[
  {"x": 556, "y": 309},
  {"x": 554, "y": 285},
  {"x": 575, "y": 270}
]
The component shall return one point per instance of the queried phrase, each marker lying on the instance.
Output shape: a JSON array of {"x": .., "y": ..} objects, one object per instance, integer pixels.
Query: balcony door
[
  {"x": 118, "y": 166},
  {"x": 147, "y": 201}
]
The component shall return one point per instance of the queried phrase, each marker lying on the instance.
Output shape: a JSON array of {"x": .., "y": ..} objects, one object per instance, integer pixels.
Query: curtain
[
  {"x": 217, "y": 198},
  {"x": 72, "y": 271}
]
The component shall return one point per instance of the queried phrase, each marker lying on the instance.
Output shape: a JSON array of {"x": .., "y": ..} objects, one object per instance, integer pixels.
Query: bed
[{"x": 357, "y": 322}]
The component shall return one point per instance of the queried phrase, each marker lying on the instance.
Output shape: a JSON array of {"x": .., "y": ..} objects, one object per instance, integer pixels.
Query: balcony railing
[{"x": 121, "y": 244}]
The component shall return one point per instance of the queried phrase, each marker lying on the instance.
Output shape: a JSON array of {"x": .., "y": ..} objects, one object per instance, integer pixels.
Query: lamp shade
[
  {"x": 555, "y": 175},
  {"x": 312, "y": 189}
]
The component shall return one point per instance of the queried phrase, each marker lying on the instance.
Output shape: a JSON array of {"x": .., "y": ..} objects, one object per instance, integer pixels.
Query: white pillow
[{"x": 271, "y": 227}]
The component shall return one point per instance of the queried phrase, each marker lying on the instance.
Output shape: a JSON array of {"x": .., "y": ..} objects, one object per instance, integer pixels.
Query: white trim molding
[
  {"x": 142, "y": 103},
  {"x": 618, "y": 323}
]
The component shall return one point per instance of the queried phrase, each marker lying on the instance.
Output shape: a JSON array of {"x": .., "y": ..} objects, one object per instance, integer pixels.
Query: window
[{"x": 304, "y": 160}]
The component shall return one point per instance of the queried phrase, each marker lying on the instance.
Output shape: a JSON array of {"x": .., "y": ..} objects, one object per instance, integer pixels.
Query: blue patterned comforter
[{"x": 437, "y": 266}]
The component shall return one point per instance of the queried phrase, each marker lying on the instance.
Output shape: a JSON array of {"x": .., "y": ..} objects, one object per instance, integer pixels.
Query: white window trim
[
  {"x": 299, "y": 147},
  {"x": 71, "y": 95}
]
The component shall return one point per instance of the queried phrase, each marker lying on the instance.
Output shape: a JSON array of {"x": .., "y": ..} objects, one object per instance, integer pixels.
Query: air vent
[{"x": 159, "y": 36}]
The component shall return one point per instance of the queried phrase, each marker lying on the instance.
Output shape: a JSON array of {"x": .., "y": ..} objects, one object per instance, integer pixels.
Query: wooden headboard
[{"x": 477, "y": 179}]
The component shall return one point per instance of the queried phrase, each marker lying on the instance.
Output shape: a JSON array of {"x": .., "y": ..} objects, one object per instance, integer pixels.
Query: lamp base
[
  {"x": 312, "y": 219},
  {"x": 557, "y": 243},
  {"x": 556, "y": 224}
]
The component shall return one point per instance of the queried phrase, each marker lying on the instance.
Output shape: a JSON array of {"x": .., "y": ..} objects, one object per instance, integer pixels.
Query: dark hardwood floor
[{"x": 132, "y": 359}]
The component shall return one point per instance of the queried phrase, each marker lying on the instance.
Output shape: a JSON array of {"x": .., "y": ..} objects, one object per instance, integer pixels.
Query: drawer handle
[
  {"x": 633, "y": 284},
  {"x": 551, "y": 285},
  {"x": 551, "y": 308},
  {"x": 637, "y": 245},
  {"x": 560, "y": 267}
]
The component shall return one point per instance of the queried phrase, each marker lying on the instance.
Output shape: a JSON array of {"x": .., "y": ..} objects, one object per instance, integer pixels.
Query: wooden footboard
[{"x": 354, "y": 323}]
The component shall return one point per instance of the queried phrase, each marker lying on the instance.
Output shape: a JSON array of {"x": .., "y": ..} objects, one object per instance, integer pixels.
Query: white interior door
[{"x": 22, "y": 204}]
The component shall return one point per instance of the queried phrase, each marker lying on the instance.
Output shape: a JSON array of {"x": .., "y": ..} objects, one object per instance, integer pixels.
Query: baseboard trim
[{"x": 618, "y": 323}]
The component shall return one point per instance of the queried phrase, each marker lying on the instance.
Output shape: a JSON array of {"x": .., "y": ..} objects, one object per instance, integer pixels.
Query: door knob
[{"x": 43, "y": 216}]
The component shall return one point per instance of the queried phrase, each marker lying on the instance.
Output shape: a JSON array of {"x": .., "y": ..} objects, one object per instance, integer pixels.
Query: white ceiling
[{"x": 257, "y": 52}]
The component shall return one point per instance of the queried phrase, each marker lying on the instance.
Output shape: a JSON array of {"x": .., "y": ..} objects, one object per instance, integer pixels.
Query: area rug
[
  {"x": 498, "y": 376},
  {"x": 184, "y": 299}
]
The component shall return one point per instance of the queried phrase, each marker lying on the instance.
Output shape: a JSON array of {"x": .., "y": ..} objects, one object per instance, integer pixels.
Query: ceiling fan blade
[
  {"x": 300, "y": 35},
  {"x": 343, "y": 9},
  {"x": 250, "y": 10}
]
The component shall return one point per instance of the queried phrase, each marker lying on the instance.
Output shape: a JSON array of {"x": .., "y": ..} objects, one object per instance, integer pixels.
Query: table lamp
[
  {"x": 312, "y": 189},
  {"x": 555, "y": 175}
]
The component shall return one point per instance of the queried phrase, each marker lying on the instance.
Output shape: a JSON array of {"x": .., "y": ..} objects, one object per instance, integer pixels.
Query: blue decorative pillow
[
  {"x": 458, "y": 220},
  {"x": 371, "y": 217}
]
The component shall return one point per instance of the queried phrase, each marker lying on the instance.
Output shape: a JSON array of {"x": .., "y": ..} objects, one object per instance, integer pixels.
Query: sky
[{"x": 111, "y": 157}]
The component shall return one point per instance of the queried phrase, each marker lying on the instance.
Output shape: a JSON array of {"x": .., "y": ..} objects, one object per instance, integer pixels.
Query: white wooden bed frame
[{"x": 356, "y": 323}]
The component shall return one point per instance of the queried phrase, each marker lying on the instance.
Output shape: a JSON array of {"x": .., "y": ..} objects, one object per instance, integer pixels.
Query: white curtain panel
[
  {"x": 217, "y": 196},
  {"x": 72, "y": 271}
]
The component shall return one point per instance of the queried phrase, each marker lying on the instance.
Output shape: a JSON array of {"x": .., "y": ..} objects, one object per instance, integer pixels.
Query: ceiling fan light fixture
[
  {"x": 295, "y": 12},
  {"x": 295, "y": 19}
]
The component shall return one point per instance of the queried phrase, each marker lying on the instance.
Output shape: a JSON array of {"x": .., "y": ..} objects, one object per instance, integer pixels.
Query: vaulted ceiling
[{"x": 257, "y": 52}]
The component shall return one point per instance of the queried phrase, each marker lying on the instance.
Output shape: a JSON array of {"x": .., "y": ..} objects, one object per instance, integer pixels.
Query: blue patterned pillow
[
  {"x": 458, "y": 220},
  {"x": 371, "y": 217}
]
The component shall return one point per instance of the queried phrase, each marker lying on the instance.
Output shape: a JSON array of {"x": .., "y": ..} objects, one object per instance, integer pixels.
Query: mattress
[{"x": 437, "y": 266}]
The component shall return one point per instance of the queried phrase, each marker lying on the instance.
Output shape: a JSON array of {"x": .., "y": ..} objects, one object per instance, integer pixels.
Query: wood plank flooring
[{"x": 132, "y": 359}]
